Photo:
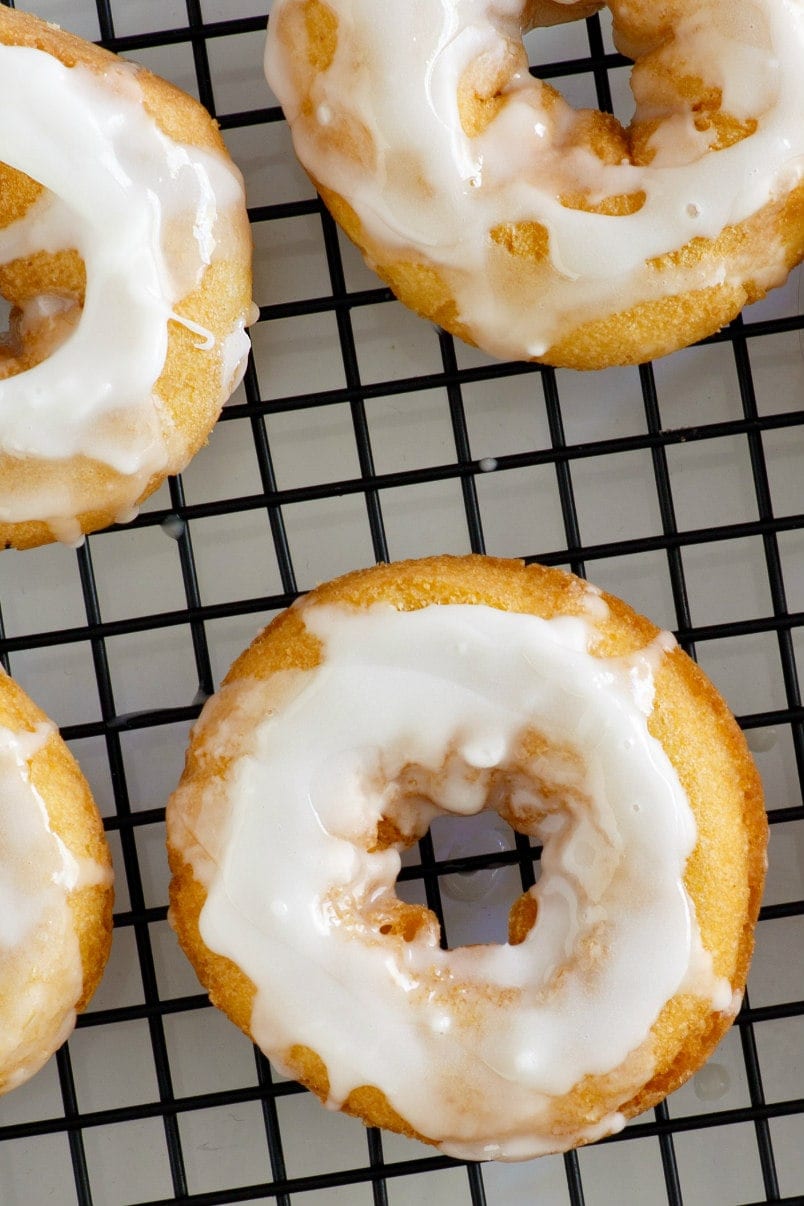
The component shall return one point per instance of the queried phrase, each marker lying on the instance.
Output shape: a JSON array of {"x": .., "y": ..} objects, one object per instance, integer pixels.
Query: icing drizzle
[
  {"x": 37, "y": 875},
  {"x": 147, "y": 216},
  {"x": 453, "y": 709},
  {"x": 426, "y": 191}
]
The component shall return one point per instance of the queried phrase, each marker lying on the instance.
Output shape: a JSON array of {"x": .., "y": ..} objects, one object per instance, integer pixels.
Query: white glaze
[
  {"x": 281, "y": 845},
  {"x": 432, "y": 194},
  {"x": 37, "y": 875},
  {"x": 148, "y": 216}
]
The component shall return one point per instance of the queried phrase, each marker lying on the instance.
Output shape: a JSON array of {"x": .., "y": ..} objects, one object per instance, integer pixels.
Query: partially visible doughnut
[
  {"x": 55, "y": 889},
  {"x": 540, "y": 233},
  {"x": 453, "y": 685},
  {"x": 125, "y": 254}
]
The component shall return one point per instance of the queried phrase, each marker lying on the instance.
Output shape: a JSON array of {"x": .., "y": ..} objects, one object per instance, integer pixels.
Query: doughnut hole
[
  {"x": 539, "y": 792},
  {"x": 480, "y": 99},
  {"x": 44, "y": 292},
  {"x": 538, "y": 802}
]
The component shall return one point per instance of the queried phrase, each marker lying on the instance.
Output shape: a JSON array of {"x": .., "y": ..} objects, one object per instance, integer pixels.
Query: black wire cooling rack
[{"x": 361, "y": 433}]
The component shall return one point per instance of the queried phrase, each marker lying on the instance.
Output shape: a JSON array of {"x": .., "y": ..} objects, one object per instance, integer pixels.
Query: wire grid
[{"x": 415, "y": 445}]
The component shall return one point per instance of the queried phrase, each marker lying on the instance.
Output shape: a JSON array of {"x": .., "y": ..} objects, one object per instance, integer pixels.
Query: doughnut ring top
[
  {"x": 55, "y": 889},
  {"x": 125, "y": 253},
  {"x": 534, "y": 230},
  {"x": 453, "y": 685}
]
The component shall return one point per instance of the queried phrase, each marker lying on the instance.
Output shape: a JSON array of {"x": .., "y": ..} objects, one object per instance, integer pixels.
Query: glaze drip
[
  {"x": 148, "y": 217},
  {"x": 452, "y": 709},
  {"x": 429, "y": 192},
  {"x": 37, "y": 930}
]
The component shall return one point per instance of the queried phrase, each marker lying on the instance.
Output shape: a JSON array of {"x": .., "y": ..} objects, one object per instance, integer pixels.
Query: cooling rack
[{"x": 362, "y": 433}]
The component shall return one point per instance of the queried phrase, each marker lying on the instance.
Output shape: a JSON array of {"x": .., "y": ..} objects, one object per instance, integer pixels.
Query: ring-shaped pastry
[
  {"x": 451, "y": 685},
  {"x": 55, "y": 889},
  {"x": 538, "y": 232},
  {"x": 125, "y": 254}
]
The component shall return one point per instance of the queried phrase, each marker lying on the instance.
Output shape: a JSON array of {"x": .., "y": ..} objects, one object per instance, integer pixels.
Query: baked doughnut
[
  {"x": 453, "y": 685},
  {"x": 125, "y": 255},
  {"x": 537, "y": 232},
  {"x": 55, "y": 889}
]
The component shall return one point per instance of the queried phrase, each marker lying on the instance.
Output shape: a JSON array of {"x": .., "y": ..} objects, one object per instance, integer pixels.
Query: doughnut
[
  {"x": 125, "y": 256},
  {"x": 448, "y": 686},
  {"x": 55, "y": 889},
  {"x": 535, "y": 231}
]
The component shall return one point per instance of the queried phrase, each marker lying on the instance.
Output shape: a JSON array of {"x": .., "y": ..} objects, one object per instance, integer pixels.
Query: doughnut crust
[
  {"x": 723, "y": 875},
  {"x": 523, "y": 281},
  {"x": 47, "y": 290},
  {"x": 53, "y": 973}
]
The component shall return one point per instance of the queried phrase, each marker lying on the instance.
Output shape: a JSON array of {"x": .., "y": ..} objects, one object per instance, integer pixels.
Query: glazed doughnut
[
  {"x": 125, "y": 255},
  {"x": 55, "y": 889},
  {"x": 453, "y": 685},
  {"x": 533, "y": 230}
]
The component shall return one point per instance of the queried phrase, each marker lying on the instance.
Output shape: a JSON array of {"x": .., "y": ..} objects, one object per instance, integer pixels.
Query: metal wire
[{"x": 564, "y": 458}]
